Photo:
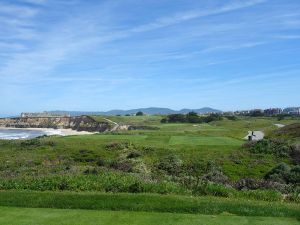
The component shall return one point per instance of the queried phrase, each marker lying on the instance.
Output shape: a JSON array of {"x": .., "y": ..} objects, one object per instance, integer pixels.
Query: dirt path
[
  {"x": 279, "y": 125},
  {"x": 116, "y": 125}
]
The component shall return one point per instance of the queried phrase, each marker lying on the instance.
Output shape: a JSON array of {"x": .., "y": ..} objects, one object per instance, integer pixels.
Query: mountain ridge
[{"x": 149, "y": 110}]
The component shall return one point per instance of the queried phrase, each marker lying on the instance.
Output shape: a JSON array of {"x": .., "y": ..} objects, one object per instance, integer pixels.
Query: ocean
[{"x": 15, "y": 134}]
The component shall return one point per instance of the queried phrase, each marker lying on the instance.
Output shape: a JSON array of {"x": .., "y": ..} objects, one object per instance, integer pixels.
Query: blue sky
[{"x": 101, "y": 55}]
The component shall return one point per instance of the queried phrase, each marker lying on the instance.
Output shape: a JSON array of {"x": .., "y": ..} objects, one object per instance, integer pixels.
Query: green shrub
[
  {"x": 283, "y": 173},
  {"x": 276, "y": 147},
  {"x": 171, "y": 164},
  {"x": 212, "y": 117},
  {"x": 233, "y": 118},
  {"x": 140, "y": 113},
  {"x": 294, "y": 175},
  {"x": 124, "y": 165},
  {"x": 193, "y": 117},
  {"x": 295, "y": 154},
  {"x": 279, "y": 173},
  {"x": 164, "y": 120},
  {"x": 91, "y": 170},
  {"x": 294, "y": 196},
  {"x": 102, "y": 181},
  {"x": 35, "y": 142},
  {"x": 85, "y": 156},
  {"x": 133, "y": 154},
  {"x": 135, "y": 188},
  {"x": 116, "y": 146}
]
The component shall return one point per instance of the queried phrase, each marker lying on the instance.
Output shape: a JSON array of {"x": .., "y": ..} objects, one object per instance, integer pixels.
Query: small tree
[
  {"x": 280, "y": 117},
  {"x": 176, "y": 118},
  {"x": 193, "y": 117},
  {"x": 163, "y": 120},
  {"x": 139, "y": 113}
]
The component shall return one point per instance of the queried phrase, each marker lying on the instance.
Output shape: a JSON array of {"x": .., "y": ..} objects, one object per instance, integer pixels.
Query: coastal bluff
[{"x": 78, "y": 123}]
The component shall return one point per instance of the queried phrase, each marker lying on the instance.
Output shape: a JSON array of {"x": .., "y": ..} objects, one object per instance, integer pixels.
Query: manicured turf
[
  {"x": 148, "y": 202},
  {"x": 37, "y": 216},
  {"x": 188, "y": 140},
  {"x": 111, "y": 137}
]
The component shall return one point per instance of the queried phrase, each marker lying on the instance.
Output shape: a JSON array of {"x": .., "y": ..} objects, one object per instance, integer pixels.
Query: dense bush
[
  {"x": 211, "y": 118},
  {"x": 86, "y": 156},
  {"x": 171, "y": 164},
  {"x": 143, "y": 128},
  {"x": 253, "y": 184},
  {"x": 164, "y": 120},
  {"x": 283, "y": 173},
  {"x": 295, "y": 154},
  {"x": 193, "y": 117},
  {"x": 216, "y": 177},
  {"x": 276, "y": 147},
  {"x": 140, "y": 113},
  {"x": 102, "y": 182},
  {"x": 231, "y": 117},
  {"x": 133, "y": 154},
  {"x": 116, "y": 146},
  {"x": 91, "y": 170},
  {"x": 289, "y": 131},
  {"x": 176, "y": 118},
  {"x": 294, "y": 176},
  {"x": 279, "y": 173},
  {"x": 35, "y": 142},
  {"x": 124, "y": 165}
]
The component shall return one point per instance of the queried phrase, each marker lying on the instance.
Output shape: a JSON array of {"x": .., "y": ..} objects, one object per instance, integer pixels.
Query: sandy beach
[{"x": 51, "y": 131}]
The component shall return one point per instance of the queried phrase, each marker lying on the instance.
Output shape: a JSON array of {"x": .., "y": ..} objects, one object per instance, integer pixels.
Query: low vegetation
[{"x": 176, "y": 159}]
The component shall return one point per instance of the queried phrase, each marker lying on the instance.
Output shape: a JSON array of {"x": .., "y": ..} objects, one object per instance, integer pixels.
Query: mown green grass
[
  {"x": 132, "y": 120},
  {"x": 38, "y": 216},
  {"x": 148, "y": 203},
  {"x": 188, "y": 140}
]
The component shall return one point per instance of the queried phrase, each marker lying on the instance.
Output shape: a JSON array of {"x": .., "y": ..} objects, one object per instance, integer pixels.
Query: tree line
[{"x": 191, "y": 117}]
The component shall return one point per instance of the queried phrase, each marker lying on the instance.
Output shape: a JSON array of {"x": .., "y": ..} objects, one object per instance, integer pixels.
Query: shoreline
[{"x": 52, "y": 131}]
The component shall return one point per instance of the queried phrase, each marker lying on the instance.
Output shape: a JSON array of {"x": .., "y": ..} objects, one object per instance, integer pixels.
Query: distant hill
[
  {"x": 151, "y": 111},
  {"x": 201, "y": 111}
]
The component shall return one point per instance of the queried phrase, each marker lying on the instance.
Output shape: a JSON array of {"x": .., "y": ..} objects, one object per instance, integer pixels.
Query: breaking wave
[{"x": 15, "y": 134}]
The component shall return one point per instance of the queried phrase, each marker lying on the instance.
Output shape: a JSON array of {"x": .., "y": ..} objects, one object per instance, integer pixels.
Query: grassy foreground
[
  {"x": 148, "y": 203},
  {"x": 21, "y": 216}
]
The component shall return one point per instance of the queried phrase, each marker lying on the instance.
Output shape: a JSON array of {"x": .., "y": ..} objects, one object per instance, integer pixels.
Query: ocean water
[{"x": 15, "y": 134}]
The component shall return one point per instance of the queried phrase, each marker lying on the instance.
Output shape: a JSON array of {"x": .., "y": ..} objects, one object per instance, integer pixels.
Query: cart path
[{"x": 257, "y": 135}]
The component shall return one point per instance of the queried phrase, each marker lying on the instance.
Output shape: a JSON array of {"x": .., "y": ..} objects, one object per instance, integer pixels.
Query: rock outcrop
[{"x": 80, "y": 123}]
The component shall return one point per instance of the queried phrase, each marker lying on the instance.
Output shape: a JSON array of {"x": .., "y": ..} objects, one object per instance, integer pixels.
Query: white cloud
[
  {"x": 17, "y": 11},
  {"x": 38, "y": 2},
  {"x": 189, "y": 15}
]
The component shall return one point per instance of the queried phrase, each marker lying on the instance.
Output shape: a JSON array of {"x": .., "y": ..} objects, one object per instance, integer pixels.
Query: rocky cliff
[{"x": 80, "y": 123}]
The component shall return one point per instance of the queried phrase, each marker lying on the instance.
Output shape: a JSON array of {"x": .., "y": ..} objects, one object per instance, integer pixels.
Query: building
[
  {"x": 292, "y": 111},
  {"x": 272, "y": 111},
  {"x": 242, "y": 113}
]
